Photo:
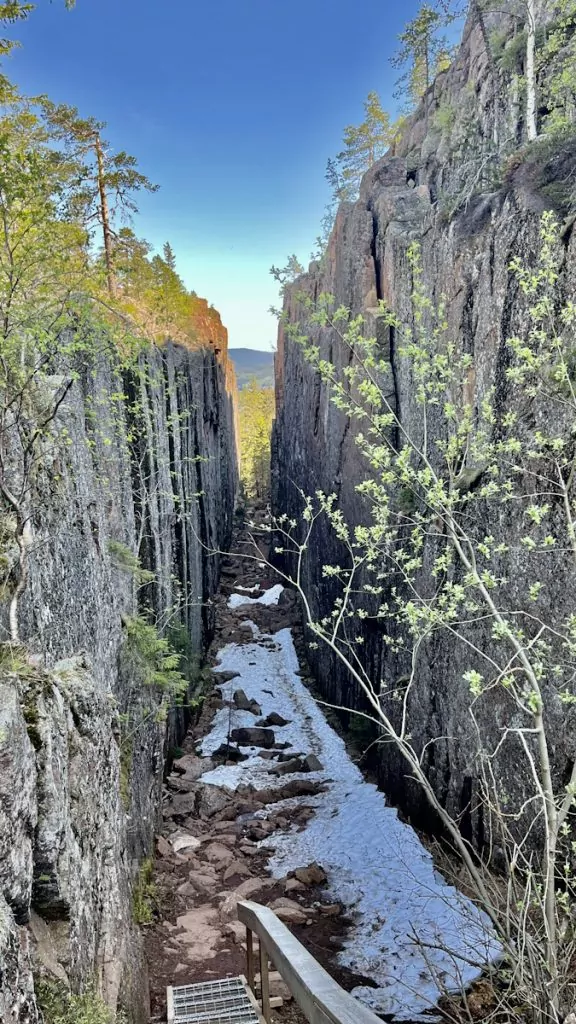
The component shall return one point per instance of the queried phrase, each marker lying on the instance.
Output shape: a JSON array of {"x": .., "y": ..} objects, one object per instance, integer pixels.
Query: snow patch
[
  {"x": 402, "y": 910},
  {"x": 269, "y": 597}
]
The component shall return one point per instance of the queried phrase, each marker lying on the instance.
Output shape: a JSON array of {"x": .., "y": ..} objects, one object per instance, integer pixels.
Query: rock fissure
[
  {"x": 273, "y": 809},
  {"x": 466, "y": 252}
]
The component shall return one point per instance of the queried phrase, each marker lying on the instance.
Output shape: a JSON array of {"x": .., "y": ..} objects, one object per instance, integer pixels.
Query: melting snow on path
[
  {"x": 269, "y": 597},
  {"x": 376, "y": 865}
]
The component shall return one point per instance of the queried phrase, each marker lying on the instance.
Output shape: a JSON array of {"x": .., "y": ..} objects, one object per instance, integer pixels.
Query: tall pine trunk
[{"x": 105, "y": 219}]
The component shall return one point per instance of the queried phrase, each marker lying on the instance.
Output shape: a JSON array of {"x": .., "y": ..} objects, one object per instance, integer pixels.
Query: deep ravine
[{"x": 267, "y": 804}]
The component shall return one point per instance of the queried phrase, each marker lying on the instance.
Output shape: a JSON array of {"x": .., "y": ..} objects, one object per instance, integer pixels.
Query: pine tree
[
  {"x": 11, "y": 12},
  {"x": 169, "y": 257},
  {"x": 423, "y": 52},
  {"x": 364, "y": 144},
  {"x": 107, "y": 176}
]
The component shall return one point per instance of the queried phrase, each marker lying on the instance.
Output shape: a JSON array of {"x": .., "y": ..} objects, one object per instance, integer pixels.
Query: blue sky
[{"x": 232, "y": 107}]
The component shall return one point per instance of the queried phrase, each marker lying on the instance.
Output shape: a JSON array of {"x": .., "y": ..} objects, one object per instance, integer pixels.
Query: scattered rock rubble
[{"x": 209, "y": 854}]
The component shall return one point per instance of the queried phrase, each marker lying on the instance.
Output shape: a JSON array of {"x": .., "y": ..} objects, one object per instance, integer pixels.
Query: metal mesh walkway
[{"x": 227, "y": 1001}]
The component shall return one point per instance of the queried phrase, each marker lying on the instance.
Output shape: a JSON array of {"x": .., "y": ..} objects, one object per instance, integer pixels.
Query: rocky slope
[
  {"x": 138, "y": 473},
  {"x": 469, "y": 230}
]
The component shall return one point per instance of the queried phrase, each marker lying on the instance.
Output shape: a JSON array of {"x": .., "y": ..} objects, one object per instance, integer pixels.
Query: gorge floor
[{"x": 266, "y": 804}]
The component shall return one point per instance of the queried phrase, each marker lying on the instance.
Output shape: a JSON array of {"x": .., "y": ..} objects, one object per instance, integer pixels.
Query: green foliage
[
  {"x": 424, "y": 568},
  {"x": 289, "y": 273},
  {"x": 11, "y": 12},
  {"x": 198, "y": 678},
  {"x": 145, "y": 894},
  {"x": 125, "y": 560},
  {"x": 156, "y": 659},
  {"x": 557, "y": 64},
  {"x": 364, "y": 144},
  {"x": 255, "y": 416},
  {"x": 14, "y": 660},
  {"x": 59, "y": 1006},
  {"x": 445, "y": 118},
  {"x": 424, "y": 51},
  {"x": 60, "y": 297}
]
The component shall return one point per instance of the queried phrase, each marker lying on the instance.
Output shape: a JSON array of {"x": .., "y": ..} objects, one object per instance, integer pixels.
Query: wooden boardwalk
[
  {"x": 236, "y": 1000},
  {"x": 320, "y": 998}
]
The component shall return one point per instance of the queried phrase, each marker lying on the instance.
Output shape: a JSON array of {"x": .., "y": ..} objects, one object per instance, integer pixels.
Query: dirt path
[{"x": 211, "y": 852}]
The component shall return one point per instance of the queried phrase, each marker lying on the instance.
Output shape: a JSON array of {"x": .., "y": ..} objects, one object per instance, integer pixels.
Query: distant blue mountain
[{"x": 250, "y": 364}]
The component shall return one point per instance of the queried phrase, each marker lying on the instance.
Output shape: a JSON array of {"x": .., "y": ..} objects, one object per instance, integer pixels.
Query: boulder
[
  {"x": 187, "y": 889},
  {"x": 273, "y": 719},
  {"x": 313, "y": 764},
  {"x": 244, "y": 703},
  {"x": 290, "y": 767},
  {"x": 226, "y": 752},
  {"x": 202, "y": 884},
  {"x": 289, "y": 911},
  {"x": 330, "y": 909},
  {"x": 218, "y": 854},
  {"x": 211, "y": 800},
  {"x": 237, "y": 869},
  {"x": 236, "y": 931},
  {"x": 182, "y": 804},
  {"x": 260, "y": 830},
  {"x": 191, "y": 766},
  {"x": 181, "y": 783},
  {"x": 184, "y": 841},
  {"x": 313, "y": 874},
  {"x": 293, "y": 885},
  {"x": 163, "y": 847},
  {"x": 224, "y": 677},
  {"x": 245, "y": 891},
  {"x": 253, "y": 737}
]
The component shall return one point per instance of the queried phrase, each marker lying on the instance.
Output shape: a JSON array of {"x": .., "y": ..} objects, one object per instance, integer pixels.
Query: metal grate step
[{"x": 227, "y": 1001}]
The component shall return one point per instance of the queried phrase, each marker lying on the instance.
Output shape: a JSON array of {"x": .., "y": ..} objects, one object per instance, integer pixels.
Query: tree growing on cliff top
[
  {"x": 424, "y": 51},
  {"x": 422, "y": 567},
  {"x": 43, "y": 264},
  {"x": 110, "y": 180},
  {"x": 364, "y": 144}
]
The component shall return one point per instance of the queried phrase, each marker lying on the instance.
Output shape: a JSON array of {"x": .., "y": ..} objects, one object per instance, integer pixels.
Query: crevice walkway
[{"x": 267, "y": 805}]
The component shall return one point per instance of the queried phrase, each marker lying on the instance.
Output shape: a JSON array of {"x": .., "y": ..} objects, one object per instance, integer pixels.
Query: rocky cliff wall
[
  {"x": 137, "y": 472},
  {"x": 466, "y": 255}
]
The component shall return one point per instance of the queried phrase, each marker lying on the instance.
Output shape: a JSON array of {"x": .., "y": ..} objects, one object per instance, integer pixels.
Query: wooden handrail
[{"x": 320, "y": 998}]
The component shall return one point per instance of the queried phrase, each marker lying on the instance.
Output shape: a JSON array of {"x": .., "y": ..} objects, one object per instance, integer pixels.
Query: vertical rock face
[
  {"x": 466, "y": 254},
  {"x": 138, "y": 474}
]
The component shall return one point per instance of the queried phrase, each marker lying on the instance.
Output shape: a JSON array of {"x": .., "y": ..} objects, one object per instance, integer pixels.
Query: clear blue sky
[{"x": 232, "y": 107}]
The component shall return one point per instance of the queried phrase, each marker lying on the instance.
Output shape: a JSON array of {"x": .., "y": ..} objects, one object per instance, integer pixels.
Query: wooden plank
[
  {"x": 264, "y": 983},
  {"x": 319, "y": 997},
  {"x": 250, "y": 958},
  {"x": 170, "y": 1005},
  {"x": 252, "y": 999}
]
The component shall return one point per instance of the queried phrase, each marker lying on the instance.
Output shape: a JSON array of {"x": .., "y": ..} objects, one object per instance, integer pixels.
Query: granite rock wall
[{"x": 137, "y": 472}]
